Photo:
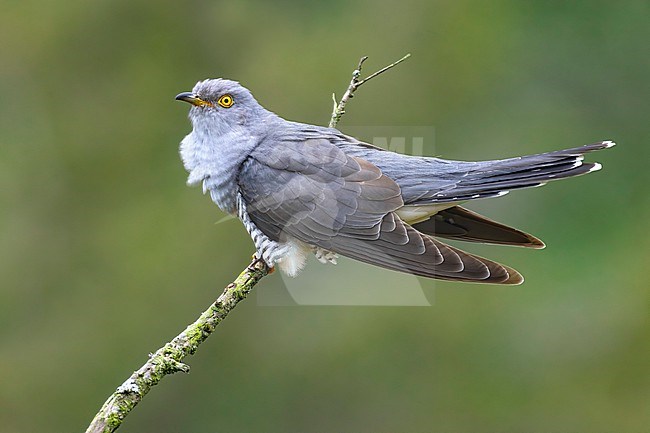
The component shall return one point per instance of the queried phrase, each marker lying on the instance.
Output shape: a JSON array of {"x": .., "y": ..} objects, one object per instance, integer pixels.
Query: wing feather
[{"x": 314, "y": 192}]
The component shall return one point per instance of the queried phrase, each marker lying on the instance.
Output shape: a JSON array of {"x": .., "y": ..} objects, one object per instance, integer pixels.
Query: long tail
[{"x": 498, "y": 177}]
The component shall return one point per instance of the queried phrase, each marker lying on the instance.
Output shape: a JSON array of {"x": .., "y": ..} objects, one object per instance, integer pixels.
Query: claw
[{"x": 324, "y": 256}]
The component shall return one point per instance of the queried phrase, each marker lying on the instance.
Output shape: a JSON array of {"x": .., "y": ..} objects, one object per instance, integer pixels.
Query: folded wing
[{"x": 314, "y": 192}]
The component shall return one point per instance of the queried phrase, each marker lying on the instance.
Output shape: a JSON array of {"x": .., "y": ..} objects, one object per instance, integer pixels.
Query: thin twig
[
  {"x": 382, "y": 70},
  {"x": 339, "y": 109}
]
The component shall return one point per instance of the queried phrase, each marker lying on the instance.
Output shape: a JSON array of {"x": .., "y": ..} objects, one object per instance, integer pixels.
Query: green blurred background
[{"x": 105, "y": 254}]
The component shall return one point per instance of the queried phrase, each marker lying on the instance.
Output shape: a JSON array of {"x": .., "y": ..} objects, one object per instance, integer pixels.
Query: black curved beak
[
  {"x": 193, "y": 99},
  {"x": 190, "y": 98}
]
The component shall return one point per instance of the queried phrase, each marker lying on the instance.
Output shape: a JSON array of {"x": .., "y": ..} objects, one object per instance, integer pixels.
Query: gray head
[{"x": 221, "y": 105}]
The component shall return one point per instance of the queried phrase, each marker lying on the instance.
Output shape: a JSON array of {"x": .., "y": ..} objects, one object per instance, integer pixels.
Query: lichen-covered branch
[
  {"x": 339, "y": 109},
  {"x": 168, "y": 359}
]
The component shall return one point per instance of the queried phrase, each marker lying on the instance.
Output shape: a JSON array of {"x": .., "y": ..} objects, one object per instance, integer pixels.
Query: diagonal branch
[{"x": 169, "y": 358}]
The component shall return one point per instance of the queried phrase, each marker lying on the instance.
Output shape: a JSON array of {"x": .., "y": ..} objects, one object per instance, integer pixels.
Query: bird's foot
[
  {"x": 325, "y": 256},
  {"x": 273, "y": 252}
]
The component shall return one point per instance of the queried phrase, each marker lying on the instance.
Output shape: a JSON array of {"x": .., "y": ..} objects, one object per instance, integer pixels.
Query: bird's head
[{"x": 221, "y": 105}]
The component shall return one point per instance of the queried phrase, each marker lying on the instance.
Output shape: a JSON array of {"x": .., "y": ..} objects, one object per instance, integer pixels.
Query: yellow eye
[{"x": 226, "y": 101}]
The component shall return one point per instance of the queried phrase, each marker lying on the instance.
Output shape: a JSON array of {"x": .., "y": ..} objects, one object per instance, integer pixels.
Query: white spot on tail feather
[{"x": 596, "y": 167}]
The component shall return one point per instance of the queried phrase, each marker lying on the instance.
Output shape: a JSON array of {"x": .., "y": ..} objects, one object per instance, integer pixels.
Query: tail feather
[
  {"x": 464, "y": 225},
  {"x": 498, "y": 177}
]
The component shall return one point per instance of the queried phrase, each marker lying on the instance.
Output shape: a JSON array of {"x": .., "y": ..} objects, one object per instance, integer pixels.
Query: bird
[{"x": 302, "y": 189}]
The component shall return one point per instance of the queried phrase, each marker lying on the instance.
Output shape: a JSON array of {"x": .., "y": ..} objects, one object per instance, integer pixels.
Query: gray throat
[{"x": 215, "y": 161}]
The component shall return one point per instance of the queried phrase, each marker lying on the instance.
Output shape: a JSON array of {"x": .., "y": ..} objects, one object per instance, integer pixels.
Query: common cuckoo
[{"x": 302, "y": 189}]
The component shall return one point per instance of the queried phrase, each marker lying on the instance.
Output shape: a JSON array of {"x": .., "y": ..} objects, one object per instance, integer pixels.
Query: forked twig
[{"x": 339, "y": 109}]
